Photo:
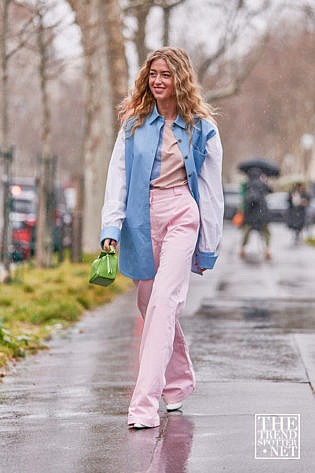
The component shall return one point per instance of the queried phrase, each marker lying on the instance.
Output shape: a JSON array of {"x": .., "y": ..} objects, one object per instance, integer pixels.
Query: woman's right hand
[{"x": 107, "y": 243}]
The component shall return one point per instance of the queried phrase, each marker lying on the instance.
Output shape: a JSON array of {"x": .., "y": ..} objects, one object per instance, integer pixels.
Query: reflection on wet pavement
[
  {"x": 249, "y": 340},
  {"x": 173, "y": 445}
]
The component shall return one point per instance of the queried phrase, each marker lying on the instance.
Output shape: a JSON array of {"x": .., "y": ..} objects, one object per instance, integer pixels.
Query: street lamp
[
  {"x": 288, "y": 162},
  {"x": 307, "y": 143}
]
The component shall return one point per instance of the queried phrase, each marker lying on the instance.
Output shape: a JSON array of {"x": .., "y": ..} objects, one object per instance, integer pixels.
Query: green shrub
[
  {"x": 5, "y": 302},
  {"x": 14, "y": 344}
]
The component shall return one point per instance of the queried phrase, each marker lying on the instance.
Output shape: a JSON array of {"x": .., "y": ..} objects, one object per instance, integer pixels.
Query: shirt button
[
  {"x": 190, "y": 174},
  {"x": 186, "y": 157},
  {"x": 179, "y": 141}
]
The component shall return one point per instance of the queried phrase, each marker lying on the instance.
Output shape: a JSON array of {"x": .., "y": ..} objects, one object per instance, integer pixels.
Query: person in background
[
  {"x": 164, "y": 202},
  {"x": 256, "y": 215},
  {"x": 298, "y": 200}
]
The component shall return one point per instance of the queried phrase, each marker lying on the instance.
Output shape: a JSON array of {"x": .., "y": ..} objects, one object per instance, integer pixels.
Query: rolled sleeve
[
  {"x": 203, "y": 260},
  {"x": 110, "y": 232}
]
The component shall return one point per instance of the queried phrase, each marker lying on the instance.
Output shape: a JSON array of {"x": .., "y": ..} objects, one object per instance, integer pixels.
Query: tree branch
[
  {"x": 165, "y": 4},
  {"x": 232, "y": 31},
  {"x": 235, "y": 84}
]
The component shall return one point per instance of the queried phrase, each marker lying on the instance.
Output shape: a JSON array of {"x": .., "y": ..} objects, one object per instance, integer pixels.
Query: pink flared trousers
[{"x": 165, "y": 368}]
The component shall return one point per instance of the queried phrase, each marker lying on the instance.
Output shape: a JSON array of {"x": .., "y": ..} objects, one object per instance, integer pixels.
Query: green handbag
[{"x": 104, "y": 268}]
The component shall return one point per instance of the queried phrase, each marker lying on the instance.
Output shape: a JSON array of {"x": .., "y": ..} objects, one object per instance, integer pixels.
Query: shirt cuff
[
  {"x": 203, "y": 260},
  {"x": 110, "y": 232}
]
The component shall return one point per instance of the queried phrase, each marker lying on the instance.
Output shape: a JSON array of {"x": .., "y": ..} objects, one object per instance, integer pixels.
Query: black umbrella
[{"x": 264, "y": 165}]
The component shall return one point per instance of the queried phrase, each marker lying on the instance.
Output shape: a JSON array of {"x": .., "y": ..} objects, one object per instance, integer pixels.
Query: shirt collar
[
  {"x": 180, "y": 122},
  {"x": 155, "y": 115}
]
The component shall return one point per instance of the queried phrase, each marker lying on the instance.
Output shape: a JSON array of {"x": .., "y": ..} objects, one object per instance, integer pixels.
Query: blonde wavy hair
[{"x": 190, "y": 105}]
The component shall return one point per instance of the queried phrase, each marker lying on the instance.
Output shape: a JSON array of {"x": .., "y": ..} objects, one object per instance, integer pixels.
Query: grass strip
[
  {"x": 39, "y": 301},
  {"x": 310, "y": 241}
]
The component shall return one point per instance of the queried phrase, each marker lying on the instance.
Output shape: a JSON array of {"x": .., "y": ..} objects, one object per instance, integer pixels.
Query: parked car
[
  {"x": 23, "y": 217},
  {"x": 25, "y": 184},
  {"x": 310, "y": 212},
  {"x": 278, "y": 206},
  {"x": 23, "y": 208},
  {"x": 22, "y": 240},
  {"x": 232, "y": 200}
]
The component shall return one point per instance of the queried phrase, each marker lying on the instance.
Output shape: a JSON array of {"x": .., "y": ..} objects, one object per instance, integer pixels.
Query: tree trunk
[
  {"x": 141, "y": 14},
  {"x": 166, "y": 25},
  {"x": 4, "y": 144},
  {"x": 4, "y": 119},
  {"x": 105, "y": 83},
  {"x": 118, "y": 67},
  {"x": 45, "y": 214},
  {"x": 98, "y": 136}
]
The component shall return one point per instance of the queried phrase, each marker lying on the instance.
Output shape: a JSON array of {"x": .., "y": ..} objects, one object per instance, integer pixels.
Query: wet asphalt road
[{"x": 251, "y": 329}]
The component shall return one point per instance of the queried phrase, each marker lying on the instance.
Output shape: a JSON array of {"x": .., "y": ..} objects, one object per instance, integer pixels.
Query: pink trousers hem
[
  {"x": 178, "y": 399},
  {"x": 144, "y": 422}
]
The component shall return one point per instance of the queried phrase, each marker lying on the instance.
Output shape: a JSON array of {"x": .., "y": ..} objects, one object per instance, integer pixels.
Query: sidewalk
[
  {"x": 259, "y": 321},
  {"x": 250, "y": 326}
]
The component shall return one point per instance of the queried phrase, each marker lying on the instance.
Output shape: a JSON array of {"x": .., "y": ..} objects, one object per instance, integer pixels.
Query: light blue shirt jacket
[{"x": 126, "y": 210}]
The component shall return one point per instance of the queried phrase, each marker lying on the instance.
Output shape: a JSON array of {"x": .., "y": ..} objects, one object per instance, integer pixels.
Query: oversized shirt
[{"x": 126, "y": 210}]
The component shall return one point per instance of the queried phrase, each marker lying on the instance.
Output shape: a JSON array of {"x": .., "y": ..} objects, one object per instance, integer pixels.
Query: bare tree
[
  {"x": 41, "y": 44},
  {"x": 6, "y": 53},
  {"x": 45, "y": 215},
  {"x": 276, "y": 104},
  {"x": 236, "y": 73},
  {"x": 238, "y": 16},
  {"x": 234, "y": 19},
  {"x": 167, "y": 7},
  {"x": 11, "y": 42},
  {"x": 4, "y": 138},
  {"x": 140, "y": 9},
  {"x": 105, "y": 81},
  {"x": 235, "y": 16},
  {"x": 118, "y": 67},
  {"x": 4, "y": 57}
]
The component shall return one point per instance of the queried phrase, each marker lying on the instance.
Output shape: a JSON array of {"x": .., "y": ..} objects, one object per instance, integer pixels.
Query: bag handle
[
  {"x": 111, "y": 252},
  {"x": 108, "y": 260}
]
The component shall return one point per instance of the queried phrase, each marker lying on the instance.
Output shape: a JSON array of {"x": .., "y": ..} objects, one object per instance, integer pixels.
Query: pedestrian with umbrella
[
  {"x": 265, "y": 166},
  {"x": 256, "y": 215}
]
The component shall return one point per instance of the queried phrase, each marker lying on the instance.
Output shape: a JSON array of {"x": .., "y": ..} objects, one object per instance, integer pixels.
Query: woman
[
  {"x": 298, "y": 200},
  {"x": 164, "y": 202}
]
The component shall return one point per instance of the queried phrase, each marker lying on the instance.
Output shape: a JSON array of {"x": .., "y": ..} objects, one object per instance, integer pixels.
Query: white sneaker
[
  {"x": 175, "y": 406},
  {"x": 140, "y": 426}
]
